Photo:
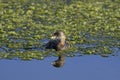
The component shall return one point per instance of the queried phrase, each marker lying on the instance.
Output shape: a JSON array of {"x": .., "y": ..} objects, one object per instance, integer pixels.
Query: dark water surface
[{"x": 75, "y": 68}]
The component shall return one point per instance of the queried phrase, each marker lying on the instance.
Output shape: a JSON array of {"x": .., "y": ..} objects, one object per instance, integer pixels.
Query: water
[{"x": 90, "y": 67}]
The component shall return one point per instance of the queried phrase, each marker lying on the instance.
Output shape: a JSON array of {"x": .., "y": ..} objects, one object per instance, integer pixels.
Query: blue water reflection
[{"x": 75, "y": 68}]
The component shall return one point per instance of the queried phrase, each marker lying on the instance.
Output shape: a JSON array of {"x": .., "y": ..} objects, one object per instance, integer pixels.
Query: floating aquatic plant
[{"x": 91, "y": 28}]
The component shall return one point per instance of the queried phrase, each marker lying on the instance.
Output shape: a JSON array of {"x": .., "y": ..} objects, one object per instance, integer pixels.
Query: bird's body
[{"x": 59, "y": 42}]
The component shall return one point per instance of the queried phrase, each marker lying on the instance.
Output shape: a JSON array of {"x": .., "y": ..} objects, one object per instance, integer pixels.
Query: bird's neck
[{"x": 62, "y": 41}]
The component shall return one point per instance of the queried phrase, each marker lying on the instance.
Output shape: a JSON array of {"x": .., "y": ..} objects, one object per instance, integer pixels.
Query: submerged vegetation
[{"x": 91, "y": 26}]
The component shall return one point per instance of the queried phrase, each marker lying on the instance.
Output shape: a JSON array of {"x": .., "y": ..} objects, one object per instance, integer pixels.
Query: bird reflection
[{"x": 59, "y": 62}]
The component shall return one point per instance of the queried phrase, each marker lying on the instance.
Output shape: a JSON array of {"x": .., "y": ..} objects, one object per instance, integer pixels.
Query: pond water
[{"x": 89, "y": 67}]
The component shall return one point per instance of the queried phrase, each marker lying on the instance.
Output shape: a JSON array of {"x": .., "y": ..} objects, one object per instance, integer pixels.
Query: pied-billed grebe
[
  {"x": 59, "y": 41},
  {"x": 59, "y": 62}
]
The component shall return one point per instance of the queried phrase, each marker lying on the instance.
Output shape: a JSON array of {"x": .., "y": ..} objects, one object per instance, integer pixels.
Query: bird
[{"x": 58, "y": 41}]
